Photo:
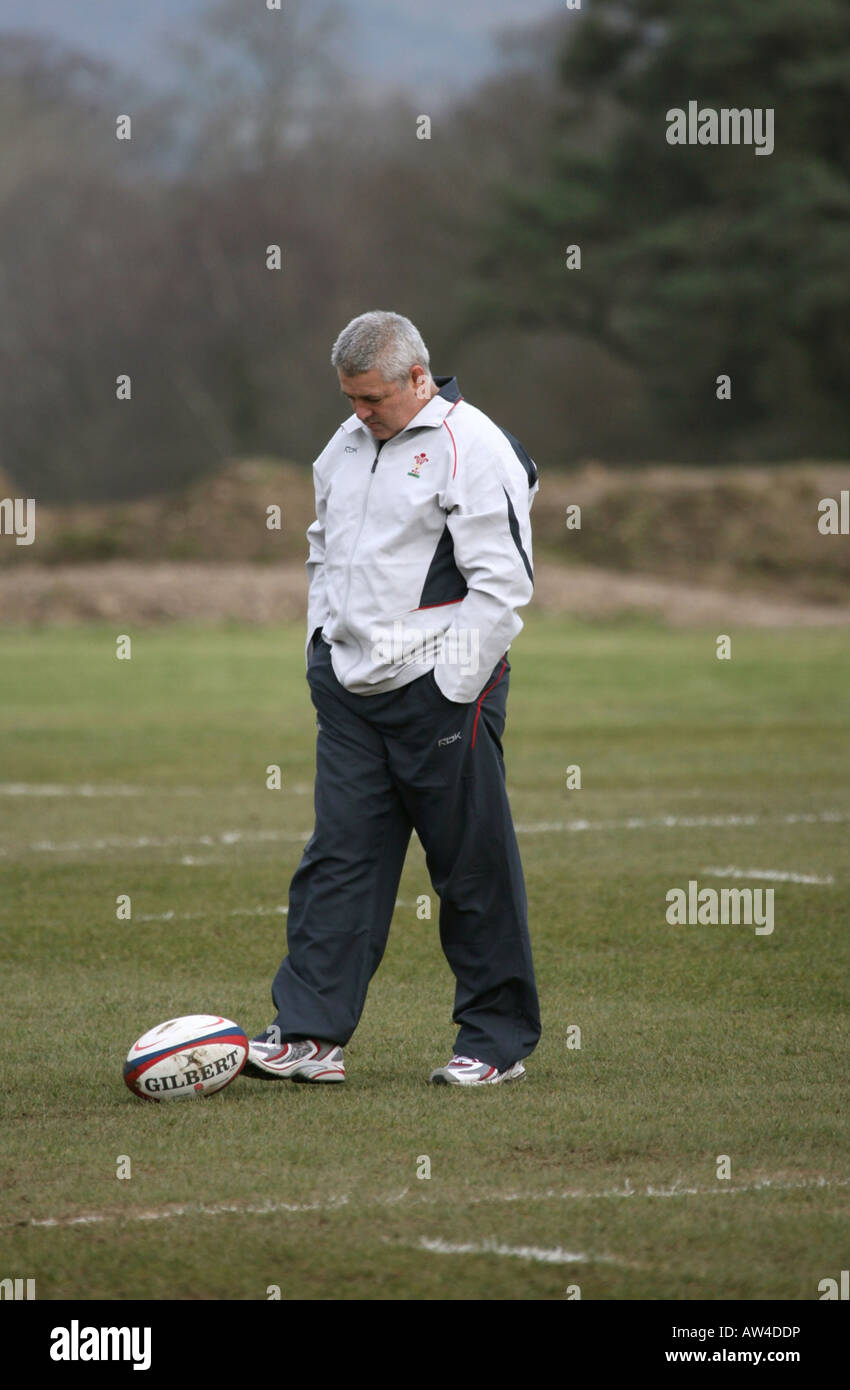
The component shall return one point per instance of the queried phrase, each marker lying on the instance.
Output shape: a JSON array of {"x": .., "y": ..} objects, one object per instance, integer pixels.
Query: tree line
[{"x": 589, "y": 282}]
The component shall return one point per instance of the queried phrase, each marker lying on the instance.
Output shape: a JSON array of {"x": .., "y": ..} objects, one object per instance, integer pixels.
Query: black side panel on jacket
[
  {"x": 527, "y": 462},
  {"x": 444, "y": 582}
]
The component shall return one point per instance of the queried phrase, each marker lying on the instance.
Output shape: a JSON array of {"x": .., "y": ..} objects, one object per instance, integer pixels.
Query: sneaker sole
[
  {"x": 259, "y": 1073},
  {"x": 321, "y": 1078},
  {"x": 438, "y": 1079}
]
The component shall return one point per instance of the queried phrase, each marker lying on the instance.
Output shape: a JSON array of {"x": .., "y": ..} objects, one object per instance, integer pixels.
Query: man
[{"x": 420, "y": 555}]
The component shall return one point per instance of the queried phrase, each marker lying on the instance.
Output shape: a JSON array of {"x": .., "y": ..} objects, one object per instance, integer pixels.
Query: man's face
[{"x": 385, "y": 407}]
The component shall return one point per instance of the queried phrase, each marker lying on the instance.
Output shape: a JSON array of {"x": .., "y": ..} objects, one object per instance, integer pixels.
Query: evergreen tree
[{"x": 697, "y": 260}]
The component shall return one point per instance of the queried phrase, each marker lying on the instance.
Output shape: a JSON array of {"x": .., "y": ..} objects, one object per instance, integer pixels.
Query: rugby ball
[{"x": 186, "y": 1058}]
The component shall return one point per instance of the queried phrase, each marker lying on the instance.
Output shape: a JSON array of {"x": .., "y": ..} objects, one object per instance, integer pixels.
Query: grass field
[{"x": 147, "y": 777}]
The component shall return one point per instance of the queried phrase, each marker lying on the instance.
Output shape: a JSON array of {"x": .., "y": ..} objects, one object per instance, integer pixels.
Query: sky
[{"x": 435, "y": 47}]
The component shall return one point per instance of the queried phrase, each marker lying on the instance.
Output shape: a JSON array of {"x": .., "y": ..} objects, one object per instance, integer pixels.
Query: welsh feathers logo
[{"x": 417, "y": 464}]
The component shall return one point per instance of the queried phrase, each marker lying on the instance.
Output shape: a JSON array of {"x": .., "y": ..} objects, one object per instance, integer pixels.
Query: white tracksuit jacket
[{"x": 420, "y": 553}]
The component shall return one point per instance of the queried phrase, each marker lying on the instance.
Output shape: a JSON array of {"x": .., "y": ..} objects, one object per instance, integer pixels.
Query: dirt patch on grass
[
  {"x": 717, "y": 527},
  {"x": 132, "y": 594},
  {"x": 690, "y": 546},
  {"x": 597, "y": 593}
]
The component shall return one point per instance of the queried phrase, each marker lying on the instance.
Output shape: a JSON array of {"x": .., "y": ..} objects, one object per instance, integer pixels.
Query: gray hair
[{"x": 387, "y": 342}]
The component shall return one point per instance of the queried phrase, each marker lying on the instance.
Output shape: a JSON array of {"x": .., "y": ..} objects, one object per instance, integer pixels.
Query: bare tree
[{"x": 255, "y": 79}]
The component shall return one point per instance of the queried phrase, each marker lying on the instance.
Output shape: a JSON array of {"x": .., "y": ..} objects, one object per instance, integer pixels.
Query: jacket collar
[
  {"x": 433, "y": 413},
  {"x": 449, "y": 388}
]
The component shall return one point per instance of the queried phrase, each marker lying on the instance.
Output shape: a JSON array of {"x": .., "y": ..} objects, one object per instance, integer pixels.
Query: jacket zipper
[{"x": 360, "y": 529}]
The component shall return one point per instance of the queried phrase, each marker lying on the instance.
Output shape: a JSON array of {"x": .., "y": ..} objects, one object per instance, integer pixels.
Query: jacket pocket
[{"x": 429, "y": 680}]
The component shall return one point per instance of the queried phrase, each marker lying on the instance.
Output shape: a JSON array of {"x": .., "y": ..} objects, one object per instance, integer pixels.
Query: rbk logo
[{"x": 417, "y": 464}]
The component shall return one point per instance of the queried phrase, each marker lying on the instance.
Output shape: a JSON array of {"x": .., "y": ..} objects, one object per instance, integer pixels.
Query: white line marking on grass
[
  {"x": 199, "y": 916},
  {"x": 197, "y": 1209},
  {"x": 681, "y": 822},
  {"x": 246, "y": 837},
  {"x": 97, "y": 789},
  {"x": 556, "y": 1256},
  {"x": 92, "y": 790},
  {"x": 676, "y": 1190},
  {"x": 775, "y": 875},
  {"x": 722, "y": 1189},
  {"x": 172, "y": 916},
  {"x": 634, "y": 823},
  {"x": 224, "y": 838}
]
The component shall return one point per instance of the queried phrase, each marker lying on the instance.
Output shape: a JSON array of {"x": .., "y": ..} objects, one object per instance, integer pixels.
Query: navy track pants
[{"x": 385, "y": 765}]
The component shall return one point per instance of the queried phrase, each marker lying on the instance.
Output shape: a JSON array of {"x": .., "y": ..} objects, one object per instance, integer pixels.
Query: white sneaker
[
  {"x": 295, "y": 1061},
  {"x": 468, "y": 1071}
]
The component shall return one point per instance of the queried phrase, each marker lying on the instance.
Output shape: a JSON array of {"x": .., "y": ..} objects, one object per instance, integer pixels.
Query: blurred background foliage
[{"x": 148, "y": 256}]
